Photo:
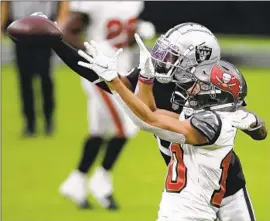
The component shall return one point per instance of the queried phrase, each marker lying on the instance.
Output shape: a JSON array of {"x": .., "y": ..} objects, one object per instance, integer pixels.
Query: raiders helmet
[
  {"x": 181, "y": 50},
  {"x": 223, "y": 88}
]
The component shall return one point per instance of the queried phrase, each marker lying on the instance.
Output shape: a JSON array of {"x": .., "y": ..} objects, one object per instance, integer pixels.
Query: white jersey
[
  {"x": 112, "y": 25},
  {"x": 195, "y": 183},
  {"x": 113, "y": 21}
]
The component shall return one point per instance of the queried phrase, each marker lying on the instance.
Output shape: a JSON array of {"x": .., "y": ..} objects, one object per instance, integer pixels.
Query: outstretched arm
[{"x": 70, "y": 57}]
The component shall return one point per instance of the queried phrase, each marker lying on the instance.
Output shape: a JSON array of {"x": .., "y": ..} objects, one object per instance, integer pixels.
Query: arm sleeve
[
  {"x": 162, "y": 133},
  {"x": 70, "y": 57}
]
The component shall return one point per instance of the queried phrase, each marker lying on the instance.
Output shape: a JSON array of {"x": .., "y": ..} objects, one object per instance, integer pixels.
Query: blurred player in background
[
  {"x": 33, "y": 62},
  {"x": 113, "y": 25}
]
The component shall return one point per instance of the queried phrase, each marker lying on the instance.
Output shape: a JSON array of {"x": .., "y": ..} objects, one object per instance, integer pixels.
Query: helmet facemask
[
  {"x": 180, "y": 95},
  {"x": 171, "y": 65},
  {"x": 210, "y": 97}
]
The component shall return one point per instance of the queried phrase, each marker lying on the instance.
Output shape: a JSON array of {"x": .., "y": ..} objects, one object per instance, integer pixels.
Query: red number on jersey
[
  {"x": 218, "y": 195},
  {"x": 177, "y": 171},
  {"x": 115, "y": 27}
]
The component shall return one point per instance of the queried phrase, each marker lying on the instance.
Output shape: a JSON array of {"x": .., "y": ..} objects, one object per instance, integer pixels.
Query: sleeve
[
  {"x": 70, "y": 57},
  {"x": 208, "y": 124}
]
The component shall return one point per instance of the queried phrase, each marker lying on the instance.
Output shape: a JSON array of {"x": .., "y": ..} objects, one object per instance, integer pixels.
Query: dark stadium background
[{"x": 231, "y": 17}]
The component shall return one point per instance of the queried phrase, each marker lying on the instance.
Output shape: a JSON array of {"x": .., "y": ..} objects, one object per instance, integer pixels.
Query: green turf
[{"x": 33, "y": 169}]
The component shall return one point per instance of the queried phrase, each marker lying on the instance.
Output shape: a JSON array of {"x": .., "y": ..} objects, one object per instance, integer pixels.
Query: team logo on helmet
[
  {"x": 203, "y": 53},
  {"x": 225, "y": 81}
]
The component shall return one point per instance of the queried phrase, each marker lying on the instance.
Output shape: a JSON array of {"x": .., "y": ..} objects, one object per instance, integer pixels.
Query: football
[{"x": 34, "y": 30}]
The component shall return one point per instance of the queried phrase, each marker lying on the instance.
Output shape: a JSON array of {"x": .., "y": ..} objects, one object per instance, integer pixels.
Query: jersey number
[
  {"x": 177, "y": 171},
  {"x": 218, "y": 195},
  {"x": 116, "y": 27},
  {"x": 177, "y": 175}
]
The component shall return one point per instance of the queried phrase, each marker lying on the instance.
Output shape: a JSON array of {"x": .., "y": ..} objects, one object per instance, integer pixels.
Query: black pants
[{"x": 35, "y": 62}]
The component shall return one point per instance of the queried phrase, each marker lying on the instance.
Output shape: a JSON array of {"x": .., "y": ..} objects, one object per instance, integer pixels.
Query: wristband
[{"x": 146, "y": 80}]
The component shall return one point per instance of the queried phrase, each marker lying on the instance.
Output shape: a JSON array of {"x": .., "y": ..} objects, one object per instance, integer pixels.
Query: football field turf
[{"x": 33, "y": 169}]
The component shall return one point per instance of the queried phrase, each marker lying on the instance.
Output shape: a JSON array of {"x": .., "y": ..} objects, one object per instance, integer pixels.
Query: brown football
[{"x": 34, "y": 30}]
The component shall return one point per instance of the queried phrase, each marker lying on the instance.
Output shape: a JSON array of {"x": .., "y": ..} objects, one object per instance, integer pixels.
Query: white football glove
[
  {"x": 104, "y": 66},
  {"x": 244, "y": 120},
  {"x": 146, "y": 65}
]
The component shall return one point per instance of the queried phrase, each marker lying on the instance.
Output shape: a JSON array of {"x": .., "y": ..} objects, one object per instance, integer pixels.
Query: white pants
[
  {"x": 105, "y": 116},
  {"x": 237, "y": 207}
]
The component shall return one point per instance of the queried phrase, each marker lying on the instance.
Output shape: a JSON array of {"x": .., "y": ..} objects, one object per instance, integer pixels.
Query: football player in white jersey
[
  {"x": 111, "y": 24},
  {"x": 203, "y": 138},
  {"x": 236, "y": 195}
]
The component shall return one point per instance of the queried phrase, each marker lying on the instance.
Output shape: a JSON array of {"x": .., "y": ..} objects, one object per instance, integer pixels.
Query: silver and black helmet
[{"x": 178, "y": 53}]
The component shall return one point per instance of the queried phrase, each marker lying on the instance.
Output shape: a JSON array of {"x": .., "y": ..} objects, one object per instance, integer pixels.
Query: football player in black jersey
[{"x": 235, "y": 180}]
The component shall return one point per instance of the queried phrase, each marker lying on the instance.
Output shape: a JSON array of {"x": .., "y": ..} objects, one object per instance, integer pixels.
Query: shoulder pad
[{"x": 208, "y": 124}]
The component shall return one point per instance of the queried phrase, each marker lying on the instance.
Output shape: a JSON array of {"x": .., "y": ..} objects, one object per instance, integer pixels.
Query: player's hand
[
  {"x": 244, "y": 120},
  {"x": 104, "y": 66},
  {"x": 146, "y": 65}
]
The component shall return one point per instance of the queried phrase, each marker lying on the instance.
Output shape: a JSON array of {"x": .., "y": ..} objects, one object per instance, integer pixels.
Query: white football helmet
[{"x": 176, "y": 54}]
